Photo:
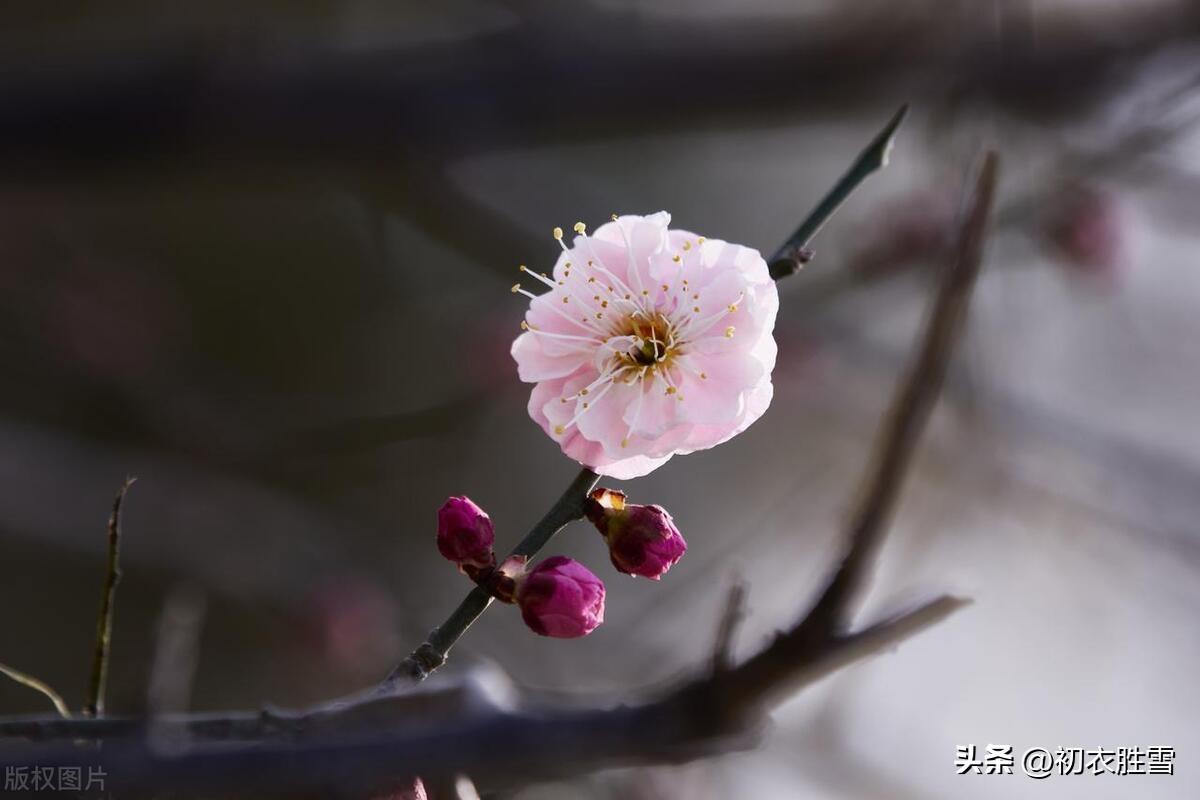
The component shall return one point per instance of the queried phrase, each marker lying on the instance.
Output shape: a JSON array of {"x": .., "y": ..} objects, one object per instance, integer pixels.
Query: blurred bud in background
[
  {"x": 1083, "y": 225},
  {"x": 353, "y": 626},
  {"x": 916, "y": 225}
]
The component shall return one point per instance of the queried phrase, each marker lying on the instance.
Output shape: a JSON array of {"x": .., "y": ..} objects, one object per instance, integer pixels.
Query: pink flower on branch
[
  {"x": 561, "y": 598},
  {"x": 650, "y": 342}
]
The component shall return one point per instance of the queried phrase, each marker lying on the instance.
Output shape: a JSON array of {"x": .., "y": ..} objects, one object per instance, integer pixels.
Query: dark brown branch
[
  {"x": 94, "y": 706},
  {"x": 406, "y": 735}
]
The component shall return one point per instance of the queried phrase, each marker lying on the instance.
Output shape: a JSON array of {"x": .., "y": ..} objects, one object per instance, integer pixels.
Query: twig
[
  {"x": 38, "y": 686},
  {"x": 432, "y": 653},
  {"x": 94, "y": 706},
  {"x": 794, "y": 253}
]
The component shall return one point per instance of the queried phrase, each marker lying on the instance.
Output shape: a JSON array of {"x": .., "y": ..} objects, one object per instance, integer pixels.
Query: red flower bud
[
  {"x": 465, "y": 534},
  {"x": 561, "y": 598},
  {"x": 642, "y": 540}
]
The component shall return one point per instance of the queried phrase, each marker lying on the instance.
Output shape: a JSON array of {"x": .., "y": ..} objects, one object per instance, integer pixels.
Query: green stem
[{"x": 792, "y": 254}]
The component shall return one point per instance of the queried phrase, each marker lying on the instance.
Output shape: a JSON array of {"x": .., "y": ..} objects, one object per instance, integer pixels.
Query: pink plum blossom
[
  {"x": 650, "y": 342},
  {"x": 642, "y": 540},
  {"x": 561, "y": 598},
  {"x": 465, "y": 533}
]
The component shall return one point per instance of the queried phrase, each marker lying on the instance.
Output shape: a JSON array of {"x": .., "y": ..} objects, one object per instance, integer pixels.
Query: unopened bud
[
  {"x": 465, "y": 534},
  {"x": 642, "y": 540},
  {"x": 561, "y": 598}
]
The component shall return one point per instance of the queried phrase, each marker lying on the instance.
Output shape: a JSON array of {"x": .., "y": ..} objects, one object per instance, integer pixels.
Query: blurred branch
[
  {"x": 913, "y": 406},
  {"x": 359, "y": 745},
  {"x": 94, "y": 706},
  {"x": 176, "y": 651},
  {"x": 38, "y": 686},
  {"x": 198, "y": 95},
  {"x": 735, "y": 612}
]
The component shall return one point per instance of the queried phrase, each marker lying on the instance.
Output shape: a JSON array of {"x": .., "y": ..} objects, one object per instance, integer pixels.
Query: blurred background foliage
[{"x": 259, "y": 255}]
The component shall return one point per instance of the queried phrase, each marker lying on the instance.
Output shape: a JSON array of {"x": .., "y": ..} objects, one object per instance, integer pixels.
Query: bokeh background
[{"x": 259, "y": 256}]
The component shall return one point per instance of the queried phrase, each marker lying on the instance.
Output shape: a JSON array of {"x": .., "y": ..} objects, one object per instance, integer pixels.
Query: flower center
[{"x": 657, "y": 340}]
